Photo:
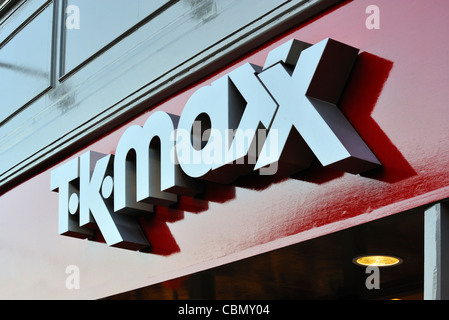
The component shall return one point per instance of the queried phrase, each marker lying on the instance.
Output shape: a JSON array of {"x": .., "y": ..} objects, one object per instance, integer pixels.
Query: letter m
[{"x": 145, "y": 170}]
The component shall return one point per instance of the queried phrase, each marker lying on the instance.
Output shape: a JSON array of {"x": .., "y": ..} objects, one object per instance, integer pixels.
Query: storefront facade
[{"x": 101, "y": 69}]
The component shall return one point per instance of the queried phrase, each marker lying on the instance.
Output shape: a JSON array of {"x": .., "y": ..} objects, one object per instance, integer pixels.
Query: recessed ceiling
[{"x": 320, "y": 268}]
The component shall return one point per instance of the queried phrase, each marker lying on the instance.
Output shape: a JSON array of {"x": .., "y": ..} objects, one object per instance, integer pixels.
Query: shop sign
[{"x": 273, "y": 119}]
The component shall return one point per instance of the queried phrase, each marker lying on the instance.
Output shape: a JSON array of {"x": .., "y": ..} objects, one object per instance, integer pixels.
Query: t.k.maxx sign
[{"x": 274, "y": 119}]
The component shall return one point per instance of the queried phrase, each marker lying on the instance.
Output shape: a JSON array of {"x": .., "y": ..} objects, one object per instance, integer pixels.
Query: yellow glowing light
[{"x": 377, "y": 261}]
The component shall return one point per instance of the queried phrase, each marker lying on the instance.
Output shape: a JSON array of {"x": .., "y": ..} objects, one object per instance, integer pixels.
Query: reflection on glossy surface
[{"x": 25, "y": 64}]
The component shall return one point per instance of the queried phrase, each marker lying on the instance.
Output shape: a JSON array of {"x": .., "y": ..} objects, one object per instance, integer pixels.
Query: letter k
[{"x": 118, "y": 230}]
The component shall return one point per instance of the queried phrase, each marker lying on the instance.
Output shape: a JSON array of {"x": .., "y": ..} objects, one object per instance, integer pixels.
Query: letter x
[{"x": 307, "y": 81}]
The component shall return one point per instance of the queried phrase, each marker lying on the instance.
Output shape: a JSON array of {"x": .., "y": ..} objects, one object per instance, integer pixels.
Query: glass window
[{"x": 93, "y": 25}]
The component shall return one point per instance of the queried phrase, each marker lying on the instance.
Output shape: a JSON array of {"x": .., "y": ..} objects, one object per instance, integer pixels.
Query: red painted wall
[{"x": 397, "y": 100}]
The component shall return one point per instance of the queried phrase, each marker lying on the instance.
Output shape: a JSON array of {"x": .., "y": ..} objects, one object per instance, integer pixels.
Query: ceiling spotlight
[{"x": 377, "y": 261}]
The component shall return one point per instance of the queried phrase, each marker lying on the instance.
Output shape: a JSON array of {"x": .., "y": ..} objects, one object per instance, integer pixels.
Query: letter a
[
  {"x": 73, "y": 280},
  {"x": 73, "y": 20},
  {"x": 372, "y": 282},
  {"x": 373, "y": 20}
]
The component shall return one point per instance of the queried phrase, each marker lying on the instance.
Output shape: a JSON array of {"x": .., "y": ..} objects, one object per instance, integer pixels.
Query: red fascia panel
[{"x": 396, "y": 99}]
